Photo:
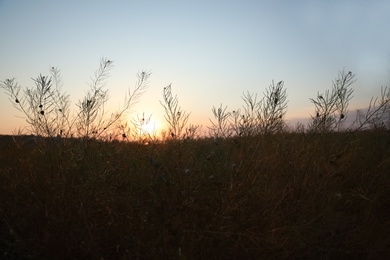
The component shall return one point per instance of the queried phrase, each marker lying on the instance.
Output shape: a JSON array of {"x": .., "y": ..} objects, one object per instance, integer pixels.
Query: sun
[
  {"x": 149, "y": 127},
  {"x": 146, "y": 126}
]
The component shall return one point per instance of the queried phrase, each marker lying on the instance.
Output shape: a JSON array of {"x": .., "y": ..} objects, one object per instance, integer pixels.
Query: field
[
  {"x": 253, "y": 188},
  {"x": 283, "y": 195}
]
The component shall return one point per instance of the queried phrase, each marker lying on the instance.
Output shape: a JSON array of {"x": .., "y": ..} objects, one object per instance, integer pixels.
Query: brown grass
[{"x": 278, "y": 196}]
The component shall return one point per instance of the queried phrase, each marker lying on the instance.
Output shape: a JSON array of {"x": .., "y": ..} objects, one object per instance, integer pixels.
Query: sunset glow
[
  {"x": 235, "y": 48},
  {"x": 151, "y": 128}
]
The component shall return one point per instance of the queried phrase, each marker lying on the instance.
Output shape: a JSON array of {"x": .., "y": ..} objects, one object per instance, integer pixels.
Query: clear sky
[{"x": 211, "y": 51}]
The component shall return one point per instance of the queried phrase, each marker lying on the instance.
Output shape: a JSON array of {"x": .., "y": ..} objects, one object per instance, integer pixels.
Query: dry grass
[{"x": 278, "y": 196}]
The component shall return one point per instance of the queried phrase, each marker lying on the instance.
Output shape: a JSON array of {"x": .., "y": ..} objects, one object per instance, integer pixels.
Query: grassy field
[{"x": 287, "y": 195}]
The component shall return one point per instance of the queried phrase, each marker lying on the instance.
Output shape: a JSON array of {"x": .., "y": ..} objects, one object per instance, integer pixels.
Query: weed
[
  {"x": 46, "y": 107},
  {"x": 331, "y": 108},
  {"x": 264, "y": 193},
  {"x": 174, "y": 115},
  {"x": 259, "y": 117}
]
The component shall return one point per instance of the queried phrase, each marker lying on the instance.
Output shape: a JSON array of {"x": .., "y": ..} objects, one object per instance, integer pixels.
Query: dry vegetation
[
  {"x": 280, "y": 196},
  {"x": 252, "y": 189}
]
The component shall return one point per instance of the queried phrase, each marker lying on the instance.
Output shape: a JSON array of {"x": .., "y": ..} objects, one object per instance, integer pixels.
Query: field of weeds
[
  {"x": 286, "y": 195},
  {"x": 251, "y": 188}
]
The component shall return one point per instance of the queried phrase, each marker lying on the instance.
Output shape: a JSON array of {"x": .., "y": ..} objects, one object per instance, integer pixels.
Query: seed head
[
  {"x": 42, "y": 112},
  {"x": 17, "y": 100}
]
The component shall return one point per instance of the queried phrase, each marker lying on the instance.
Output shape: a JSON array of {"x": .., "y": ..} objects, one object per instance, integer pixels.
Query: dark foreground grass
[{"x": 280, "y": 196}]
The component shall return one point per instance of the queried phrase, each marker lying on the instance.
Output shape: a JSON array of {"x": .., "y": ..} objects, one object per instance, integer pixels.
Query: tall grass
[
  {"x": 289, "y": 196},
  {"x": 274, "y": 194}
]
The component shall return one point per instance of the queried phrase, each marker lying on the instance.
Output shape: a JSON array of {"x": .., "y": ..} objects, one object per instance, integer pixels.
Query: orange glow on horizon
[{"x": 151, "y": 128}]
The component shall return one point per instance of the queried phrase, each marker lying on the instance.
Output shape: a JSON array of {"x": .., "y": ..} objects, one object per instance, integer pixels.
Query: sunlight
[{"x": 150, "y": 128}]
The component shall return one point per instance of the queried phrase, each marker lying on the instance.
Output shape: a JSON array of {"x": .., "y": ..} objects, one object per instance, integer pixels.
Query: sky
[{"x": 210, "y": 51}]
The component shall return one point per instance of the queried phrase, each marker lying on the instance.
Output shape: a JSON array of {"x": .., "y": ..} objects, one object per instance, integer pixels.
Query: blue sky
[{"x": 211, "y": 51}]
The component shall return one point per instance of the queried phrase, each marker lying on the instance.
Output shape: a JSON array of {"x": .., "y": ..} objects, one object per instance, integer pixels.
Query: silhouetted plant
[
  {"x": 92, "y": 120},
  {"x": 122, "y": 131},
  {"x": 46, "y": 107},
  {"x": 273, "y": 108},
  {"x": 261, "y": 117},
  {"x": 140, "y": 133},
  {"x": 92, "y": 106},
  {"x": 294, "y": 195},
  {"x": 235, "y": 122},
  {"x": 177, "y": 118},
  {"x": 220, "y": 127},
  {"x": 331, "y": 108},
  {"x": 47, "y": 111},
  {"x": 258, "y": 117},
  {"x": 192, "y": 131},
  {"x": 249, "y": 123},
  {"x": 377, "y": 114}
]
